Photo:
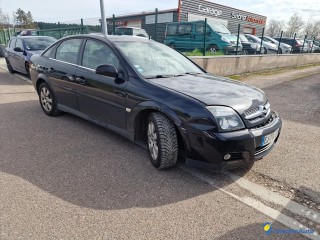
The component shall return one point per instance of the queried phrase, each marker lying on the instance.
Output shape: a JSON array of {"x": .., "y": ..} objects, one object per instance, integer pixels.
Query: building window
[{"x": 162, "y": 18}]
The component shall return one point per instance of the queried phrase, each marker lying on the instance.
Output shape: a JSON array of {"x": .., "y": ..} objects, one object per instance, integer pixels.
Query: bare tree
[
  {"x": 295, "y": 24},
  {"x": 315, "y": 31},
  {"x": 308, "y": 27},
  {"x": 275, "y": 27}
]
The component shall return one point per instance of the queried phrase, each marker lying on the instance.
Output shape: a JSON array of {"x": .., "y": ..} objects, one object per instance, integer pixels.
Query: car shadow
[{"x": 85, "y": 164}]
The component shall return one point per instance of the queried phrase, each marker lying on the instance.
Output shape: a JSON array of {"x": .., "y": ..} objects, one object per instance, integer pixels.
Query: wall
[
  {"x": 233, "y": 65},
  {"x": 224, "y": 12}
]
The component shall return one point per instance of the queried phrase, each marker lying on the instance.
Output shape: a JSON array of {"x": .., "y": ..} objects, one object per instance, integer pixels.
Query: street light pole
[{"x": 103, "y": 19}]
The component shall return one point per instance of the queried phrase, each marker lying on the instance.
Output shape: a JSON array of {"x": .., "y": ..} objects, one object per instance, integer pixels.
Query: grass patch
[
  {"x": 198, "y": 52},
  {"x": 271, "y": 71}
]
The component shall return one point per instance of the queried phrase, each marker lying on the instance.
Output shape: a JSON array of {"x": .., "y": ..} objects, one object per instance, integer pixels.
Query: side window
[
  {"x": 98, "y": 53},
  {"x": 13, "y": 43},
  {"x": 185, "y": 29},
  {"x": 19, "y": 44},
  {"x": 172, "y": 30},
  {"x": 200, "y": 28},
  {"x": 48, "y": 53},
  {"x": 68, "y": 50}
]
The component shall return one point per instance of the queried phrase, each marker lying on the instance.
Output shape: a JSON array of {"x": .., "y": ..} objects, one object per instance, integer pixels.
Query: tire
[
  {"x": 265, "y": 51},
  {"x": 280, "y": 51},
  {"x": 26, "y": 65},
  {"x": 47, "y": 100},
  {"x": 245, "y": 52},
  {"x": 213, "y": 48},
  {"x": 10, "y": 69},
  {"x": 162, "y": 141}
]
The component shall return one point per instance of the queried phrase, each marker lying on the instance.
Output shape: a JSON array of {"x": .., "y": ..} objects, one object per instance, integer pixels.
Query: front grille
[
  {"x": 267, "y": 122},
  {"x": 251, "y": 111}
]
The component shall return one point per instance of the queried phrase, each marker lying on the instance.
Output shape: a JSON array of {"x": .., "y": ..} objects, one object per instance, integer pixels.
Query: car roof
[{"x": 112, "y": 38}]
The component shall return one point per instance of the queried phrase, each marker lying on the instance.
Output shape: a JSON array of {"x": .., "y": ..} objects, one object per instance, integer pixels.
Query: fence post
[
  {"x": 261, "y": 39},
  {"x": 205, "y": 37},
  {"x": 238, "y": 38},
  {"x": 280, "y": 41},
  {"x": 156, "y": 23},
  {"x": 304, "y": 42},
  {"x": 114, "y": 24},
  {"x": 59, "y": 30},
  {"x": 82, "y": 29},
  {"x": 294, "y": 39}
]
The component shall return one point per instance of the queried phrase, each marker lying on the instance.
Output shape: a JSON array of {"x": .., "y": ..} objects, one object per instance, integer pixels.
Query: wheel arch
[
  {"x": 137, "y": 123},
  {"x": 41, "y": 78}
]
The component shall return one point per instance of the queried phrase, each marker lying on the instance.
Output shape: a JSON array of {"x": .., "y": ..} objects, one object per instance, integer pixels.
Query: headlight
[
  {"x": 225, "y": 39},
  {"x": 227, "y": 118},
  {"x": 254, "y": 45}
]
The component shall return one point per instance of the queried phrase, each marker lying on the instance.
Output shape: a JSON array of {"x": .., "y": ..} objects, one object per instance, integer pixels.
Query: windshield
[
  {"x": 256, "y": 39},
  {"x": 155, "y": 60},
  {"x": 219, "y": 28},
  {"x": 38, "y": 43},
  {"x": 243, "y": 38}
]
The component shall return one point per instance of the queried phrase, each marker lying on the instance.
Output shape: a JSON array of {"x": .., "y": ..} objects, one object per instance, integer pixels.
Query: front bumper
[
  {"x": 232, "y": 49},
  {"x": 244, "y": 146}
]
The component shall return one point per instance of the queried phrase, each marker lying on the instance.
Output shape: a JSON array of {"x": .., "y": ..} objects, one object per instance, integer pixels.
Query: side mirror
[
  {"x": 107, "y": 70},
  {"x": 17, "y": 49}
]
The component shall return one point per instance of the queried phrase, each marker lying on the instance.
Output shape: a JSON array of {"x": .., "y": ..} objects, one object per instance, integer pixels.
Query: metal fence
[{"x": 196, "y": 38}]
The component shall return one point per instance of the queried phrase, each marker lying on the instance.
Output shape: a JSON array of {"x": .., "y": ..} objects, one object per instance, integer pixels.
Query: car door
[
  {"x": 185, "y": 36},
  {"x": 101, "y": 97},
  {"x": 198, "y": 38},
  {"x": 19, "y": 60},
  {"x": 10, "y": 51},
  {"x": 62, "y": 70}
]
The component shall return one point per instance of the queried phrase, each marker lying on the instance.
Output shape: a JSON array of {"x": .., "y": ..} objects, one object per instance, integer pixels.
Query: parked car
[
  {"x": 296, "y": 44},
  {"x": 284, "y": 48},
  {"x": 21, "y": 48},
  {"x": 158, "y": 98},
  {"x": 187, "y": 36},
  {"x": 131, "y": 31},
  {"x": 312, "y": 46},
  {"x": 269, "y": 48},
  {"x": 249, "y": 47}
]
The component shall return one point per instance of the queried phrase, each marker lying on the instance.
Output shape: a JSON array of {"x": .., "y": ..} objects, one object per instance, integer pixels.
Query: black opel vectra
[{"x": 158, "y": 98}]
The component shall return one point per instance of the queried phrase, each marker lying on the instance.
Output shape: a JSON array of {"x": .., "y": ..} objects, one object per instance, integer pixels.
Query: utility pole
[{"x": 103, "y": 19}]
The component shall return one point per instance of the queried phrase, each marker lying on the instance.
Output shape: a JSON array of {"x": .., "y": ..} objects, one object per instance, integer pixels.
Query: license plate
[{"x": 269, "y": 138}]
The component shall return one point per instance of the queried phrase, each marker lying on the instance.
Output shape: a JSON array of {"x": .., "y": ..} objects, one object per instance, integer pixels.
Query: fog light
[{"x": 227, "y": 157}]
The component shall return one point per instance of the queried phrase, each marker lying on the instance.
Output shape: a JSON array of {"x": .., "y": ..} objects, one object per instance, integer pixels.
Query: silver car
[
  {"x": 269, "y": 48},
  {"x": 284, "y": 48}
]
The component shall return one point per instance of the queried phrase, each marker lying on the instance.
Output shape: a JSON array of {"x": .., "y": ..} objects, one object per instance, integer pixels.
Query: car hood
[{"x": 214, "y": 90}]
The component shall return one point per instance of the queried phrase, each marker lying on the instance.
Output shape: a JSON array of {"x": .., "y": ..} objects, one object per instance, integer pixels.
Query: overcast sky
[{"x": 67, "y": 10}]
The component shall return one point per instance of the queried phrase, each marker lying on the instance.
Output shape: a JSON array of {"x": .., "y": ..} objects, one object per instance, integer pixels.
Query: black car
[
  {"x": 296, "y": 44},
  {"x": 158, "y": 98},
  {"x": 21, "y": 48}
]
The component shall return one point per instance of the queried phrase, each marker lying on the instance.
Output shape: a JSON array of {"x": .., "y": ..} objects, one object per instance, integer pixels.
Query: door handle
[{"x": 81, "y": 80}]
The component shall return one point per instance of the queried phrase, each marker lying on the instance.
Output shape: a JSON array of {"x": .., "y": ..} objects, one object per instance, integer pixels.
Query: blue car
[{"x": 21, "y": 48}]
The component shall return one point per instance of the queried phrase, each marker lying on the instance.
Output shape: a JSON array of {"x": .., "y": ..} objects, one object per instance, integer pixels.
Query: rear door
[
  {"x": 101, "y": 97},
  {"x": 10, "y": 52},
  {"x": 62, "y": 72},
  {"x": 19, "y": 58}
]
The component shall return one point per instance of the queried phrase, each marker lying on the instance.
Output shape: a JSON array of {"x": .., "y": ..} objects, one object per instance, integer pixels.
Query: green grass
[{"x": 198, "y": 52}]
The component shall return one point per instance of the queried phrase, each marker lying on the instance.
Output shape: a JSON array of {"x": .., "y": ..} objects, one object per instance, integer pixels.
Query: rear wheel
[
  {"x": 245, "y": 52},
  {"x": 47, "y": 100},
  {"x": 162, "y": 141},
  {"x": 10, "y": 69}
]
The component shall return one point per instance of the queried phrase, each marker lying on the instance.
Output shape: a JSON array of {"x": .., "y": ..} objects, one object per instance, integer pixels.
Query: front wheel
[
  {"x": 162, "y": 141},
  {"x": 213, "y": 49}
]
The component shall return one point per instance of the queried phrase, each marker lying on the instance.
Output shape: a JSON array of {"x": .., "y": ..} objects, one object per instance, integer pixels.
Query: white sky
[{"x": 67, "y": 10}]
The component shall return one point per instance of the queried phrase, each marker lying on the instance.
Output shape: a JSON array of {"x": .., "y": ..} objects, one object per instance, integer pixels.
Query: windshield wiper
[{"x": 160, "y": 76}]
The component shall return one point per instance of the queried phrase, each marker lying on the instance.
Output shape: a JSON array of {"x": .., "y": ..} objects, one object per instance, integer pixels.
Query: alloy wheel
[
  {"x": 153, "y": 141},
  {"x": 46, "y": 99}
]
